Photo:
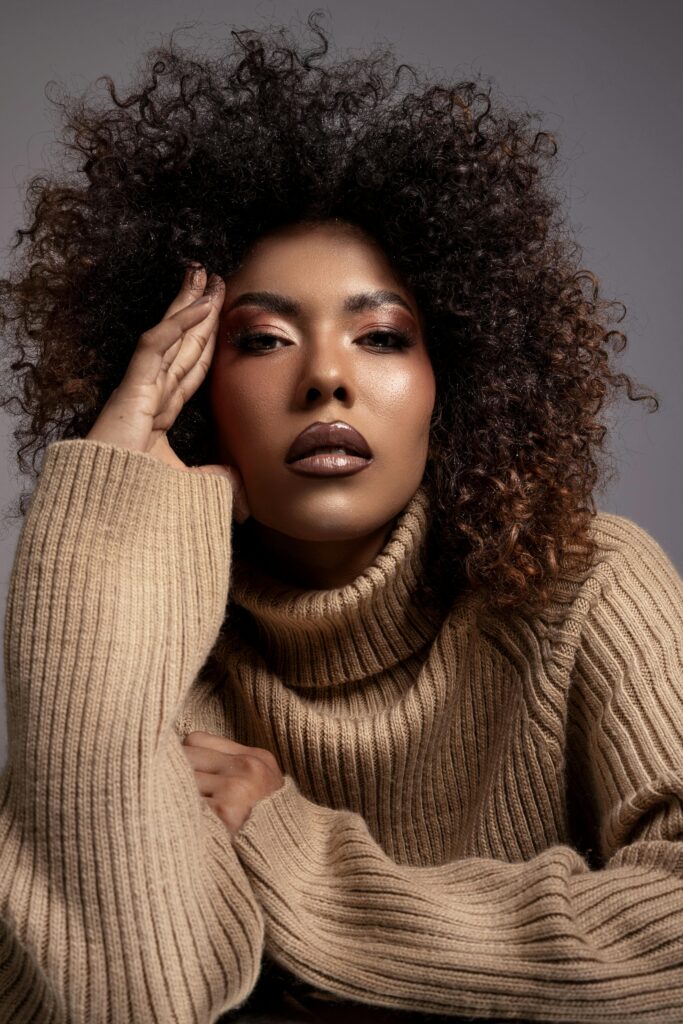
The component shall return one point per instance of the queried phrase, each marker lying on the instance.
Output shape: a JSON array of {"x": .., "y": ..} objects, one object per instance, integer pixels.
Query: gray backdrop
[{"x": 605, "y": 75}]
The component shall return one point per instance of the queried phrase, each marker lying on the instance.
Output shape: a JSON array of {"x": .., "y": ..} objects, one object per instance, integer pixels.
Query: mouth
[
  {"x": 335, "y": 462},
  {"x": 338, "y": 440}
]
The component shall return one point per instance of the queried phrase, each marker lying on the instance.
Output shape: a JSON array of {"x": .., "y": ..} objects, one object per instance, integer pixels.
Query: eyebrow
[{"x": 283, "y": 305}]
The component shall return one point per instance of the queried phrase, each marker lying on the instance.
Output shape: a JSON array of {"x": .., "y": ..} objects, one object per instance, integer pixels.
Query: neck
[
  {"x": 311, "y": 565},
  {"x": 321, "y": 638}
]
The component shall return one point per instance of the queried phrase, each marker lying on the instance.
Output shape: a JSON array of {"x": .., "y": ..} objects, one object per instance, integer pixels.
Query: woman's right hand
[{"x": 169, "y": 363}]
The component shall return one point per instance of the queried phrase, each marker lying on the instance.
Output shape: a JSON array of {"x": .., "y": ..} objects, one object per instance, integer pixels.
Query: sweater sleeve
[
  {"x": 120, "y": 897},
  {"x": 549, "y": 938}
]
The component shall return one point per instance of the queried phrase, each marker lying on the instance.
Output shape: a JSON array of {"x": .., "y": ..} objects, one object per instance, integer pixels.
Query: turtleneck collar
[{"x": 320, "y": 638}]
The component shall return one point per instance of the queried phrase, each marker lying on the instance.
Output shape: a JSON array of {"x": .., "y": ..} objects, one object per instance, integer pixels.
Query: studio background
[{"x": 606, "y": 78}]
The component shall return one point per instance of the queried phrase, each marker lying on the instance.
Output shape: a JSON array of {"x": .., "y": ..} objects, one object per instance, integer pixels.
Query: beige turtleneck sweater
[{"x": 478, "y": 817}]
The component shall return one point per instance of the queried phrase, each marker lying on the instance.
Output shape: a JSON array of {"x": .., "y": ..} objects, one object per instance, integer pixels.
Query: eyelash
[{"x": 242, "y": 339}]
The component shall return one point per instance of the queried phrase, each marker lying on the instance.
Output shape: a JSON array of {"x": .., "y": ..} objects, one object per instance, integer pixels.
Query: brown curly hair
[{"x": 205, "y": 154}]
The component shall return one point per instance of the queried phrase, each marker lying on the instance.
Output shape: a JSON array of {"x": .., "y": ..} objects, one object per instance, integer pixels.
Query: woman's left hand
[{"x": 231, "y": 777}]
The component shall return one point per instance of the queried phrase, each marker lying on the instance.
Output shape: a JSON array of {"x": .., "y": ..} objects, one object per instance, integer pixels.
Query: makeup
[{"x": 330, "y": 464}]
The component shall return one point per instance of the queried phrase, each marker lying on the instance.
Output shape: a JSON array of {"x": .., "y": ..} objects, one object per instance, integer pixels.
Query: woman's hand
[
  {"x": 169, "y": 363},
  {"x": 231, "y": 777}
]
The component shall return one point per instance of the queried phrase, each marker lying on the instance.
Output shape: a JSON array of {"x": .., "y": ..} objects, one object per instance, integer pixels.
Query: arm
[
  {"x": 546, "y": 939},
  {"x": 121, "y": 898}
]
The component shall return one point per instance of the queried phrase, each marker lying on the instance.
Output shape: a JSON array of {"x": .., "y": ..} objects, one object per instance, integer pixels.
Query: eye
[
  {"x": 399, "y": 339},
  {"x": 245, "y": 339},
  {"x": 393, "y": 341}
]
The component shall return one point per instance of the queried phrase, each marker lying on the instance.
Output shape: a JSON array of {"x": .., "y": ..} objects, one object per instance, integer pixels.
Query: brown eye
[
  {"x": 246, "y": 341},
  {"x": 395, "y": 340},
  {"x": 382, "y": 341}
]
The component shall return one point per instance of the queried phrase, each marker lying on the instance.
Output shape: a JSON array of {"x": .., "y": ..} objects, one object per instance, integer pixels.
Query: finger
[
  {"x": 233, "y": 819},
  {"x": 183, "y": 357},
  {"x": 192, "y": 287},
  {"x": 159, "y": 346},
  {"x": 210, "y": 784},
  {"x": 187, "y": 342},
  {"x": 217, "y": 762},
  {"x": 205, "y": 760},
  {"x": 211, "y": 741},
  {"x": 195, "y": 283},
  {"x": 206, "y": 782},
  {"x": 189, "y": 381}
]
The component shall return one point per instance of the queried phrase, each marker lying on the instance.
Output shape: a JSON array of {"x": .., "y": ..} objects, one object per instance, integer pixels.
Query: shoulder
[
  {"x": 631, "y": 591},
  {"x": 626, "y": 665},
  {"x": 638, "y": 610},
  {"x": 627, "y": 553}
]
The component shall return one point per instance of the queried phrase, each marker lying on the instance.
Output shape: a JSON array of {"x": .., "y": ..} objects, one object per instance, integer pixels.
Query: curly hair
[{"x": 205, "y": 154}]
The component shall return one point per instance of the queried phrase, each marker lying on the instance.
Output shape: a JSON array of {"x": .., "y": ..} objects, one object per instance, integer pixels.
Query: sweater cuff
[
  {"x": 285, "y": 834},
  {"x": 123, "y": 492},
  {"x": 272, "y": 815}
]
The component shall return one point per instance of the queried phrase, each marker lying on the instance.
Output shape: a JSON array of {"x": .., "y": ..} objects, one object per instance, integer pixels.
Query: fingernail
[
  {"x": 199, "y": 301},
  {"x": 193, "y": 273}
]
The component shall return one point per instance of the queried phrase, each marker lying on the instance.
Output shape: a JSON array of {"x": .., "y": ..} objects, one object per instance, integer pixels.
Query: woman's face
[{"x": 322, "y": 362}]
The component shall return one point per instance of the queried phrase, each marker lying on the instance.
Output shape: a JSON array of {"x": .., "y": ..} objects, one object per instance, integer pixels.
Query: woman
[{"x": 396, "y": 725}]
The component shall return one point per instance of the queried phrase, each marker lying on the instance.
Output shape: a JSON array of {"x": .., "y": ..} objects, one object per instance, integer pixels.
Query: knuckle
[
  {"x": 147, "y": 336},
  {"x": 247, "y": 764},
  {"x": 262, "y": 770}
]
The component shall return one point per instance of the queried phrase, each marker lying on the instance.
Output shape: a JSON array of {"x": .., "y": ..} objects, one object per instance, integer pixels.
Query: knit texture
[{"x": 481, "y": 815}]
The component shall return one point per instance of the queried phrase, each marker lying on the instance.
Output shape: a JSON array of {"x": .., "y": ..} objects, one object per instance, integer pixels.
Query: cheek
[
  {"x": 244, "y": 403},
  {"x": 404, "y": 398}
]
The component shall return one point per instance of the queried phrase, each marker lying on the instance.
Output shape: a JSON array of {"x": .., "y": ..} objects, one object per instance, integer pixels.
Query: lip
[
  {"x": 329, "y": 435},
  {"x": 330, "y": 464}
]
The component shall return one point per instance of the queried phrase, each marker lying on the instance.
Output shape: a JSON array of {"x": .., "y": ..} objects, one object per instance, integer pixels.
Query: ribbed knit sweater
[{"x": 480, "y": 815}]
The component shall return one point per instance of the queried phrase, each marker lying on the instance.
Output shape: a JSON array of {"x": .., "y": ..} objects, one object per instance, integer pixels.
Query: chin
[
  {"x": 320, "y": 530},
  {"x": 333, "y": 508}
]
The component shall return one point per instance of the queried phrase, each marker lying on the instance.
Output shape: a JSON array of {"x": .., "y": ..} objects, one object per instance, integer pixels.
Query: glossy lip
[
  {"x": 330, "y": 464},
  {"x": 328, "y": 435}
]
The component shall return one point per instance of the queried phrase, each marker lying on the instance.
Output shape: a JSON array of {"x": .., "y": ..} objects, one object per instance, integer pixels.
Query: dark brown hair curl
[{"x": 205, "y": 154}]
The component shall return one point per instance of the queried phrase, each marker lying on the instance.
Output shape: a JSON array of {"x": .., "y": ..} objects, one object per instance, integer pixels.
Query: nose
[{"x": 325, "y": 372}]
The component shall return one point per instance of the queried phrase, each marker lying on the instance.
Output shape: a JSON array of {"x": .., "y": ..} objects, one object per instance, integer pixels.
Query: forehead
[
  {"x": 319, "y": 269},
  {"x": 303, "y": 247}
]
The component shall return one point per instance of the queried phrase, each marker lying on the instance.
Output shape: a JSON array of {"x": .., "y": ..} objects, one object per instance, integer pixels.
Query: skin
[{"x": 319, "y": 364}]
